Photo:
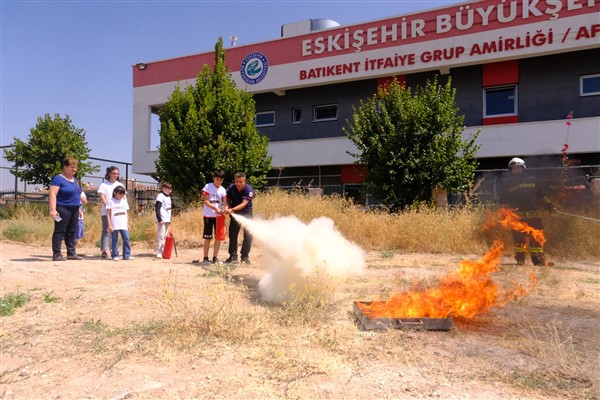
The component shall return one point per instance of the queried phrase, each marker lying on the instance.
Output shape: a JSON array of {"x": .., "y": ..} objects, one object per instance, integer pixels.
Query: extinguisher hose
[{"x": 578, "y": 216}]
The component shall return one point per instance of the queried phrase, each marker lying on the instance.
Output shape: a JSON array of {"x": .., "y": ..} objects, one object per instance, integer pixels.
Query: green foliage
[
  {"x": 16, "y": 232},
  {"x": 210, "y": 126},
  {"x": 412, "y": 143},
  {"x": 11, "y": 301},
  {"x": 49, "y": 297},
  {"x": 52, "y": 140}
]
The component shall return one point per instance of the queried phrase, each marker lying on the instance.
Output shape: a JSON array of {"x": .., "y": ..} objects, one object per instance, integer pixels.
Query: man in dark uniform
[
  {"x": 239, "y": 197},
  {"x": 522, "y": 192}
]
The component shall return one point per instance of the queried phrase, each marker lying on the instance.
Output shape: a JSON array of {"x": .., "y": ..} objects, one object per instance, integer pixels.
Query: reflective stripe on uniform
[
  {"x": 521, "y": 186},
  {"x": 530, "y": 214},
  {"x": 520, "y": 249},
  {"x": 536, "y": 249}
]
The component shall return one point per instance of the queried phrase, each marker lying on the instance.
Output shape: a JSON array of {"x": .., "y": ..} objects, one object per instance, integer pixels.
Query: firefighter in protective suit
[{"x": 522, "y": 192}]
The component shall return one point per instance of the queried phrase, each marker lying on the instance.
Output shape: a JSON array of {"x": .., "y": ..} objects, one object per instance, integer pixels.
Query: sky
[{"x": 75, "y": 57}]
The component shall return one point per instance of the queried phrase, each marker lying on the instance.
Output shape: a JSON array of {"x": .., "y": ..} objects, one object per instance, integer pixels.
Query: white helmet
[{"x": 516, "y": 161}]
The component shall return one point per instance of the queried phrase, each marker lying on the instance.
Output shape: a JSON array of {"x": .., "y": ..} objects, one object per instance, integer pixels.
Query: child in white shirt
[
  {"x": 162, "y": 208},
  {"x": 116, "y": 211},
  {"x": 214, "y": 195}
]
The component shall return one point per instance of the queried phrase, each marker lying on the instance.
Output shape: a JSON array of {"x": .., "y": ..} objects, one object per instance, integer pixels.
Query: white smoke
[{"x": 300, "y": 254}]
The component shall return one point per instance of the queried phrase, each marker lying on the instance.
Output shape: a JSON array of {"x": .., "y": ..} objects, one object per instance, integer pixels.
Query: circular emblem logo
[{"x": 254, "y": 68}]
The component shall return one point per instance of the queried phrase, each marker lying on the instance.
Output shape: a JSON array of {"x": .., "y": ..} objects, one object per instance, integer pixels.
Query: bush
[{"x": 11, "y": 301}]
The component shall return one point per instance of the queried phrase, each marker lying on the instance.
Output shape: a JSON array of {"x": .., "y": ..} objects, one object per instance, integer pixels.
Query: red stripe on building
[
  {"x": 386, "y": 80},
  {"x": 511, "y": 119},
  {"x": 289, "y": 50},
  {"x": 353, "y": 173},
  {"x": 501, "y": 73}
]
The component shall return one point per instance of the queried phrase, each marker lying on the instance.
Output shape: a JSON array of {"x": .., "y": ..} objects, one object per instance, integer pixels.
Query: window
[
  {"x": 266, "y": 118},
  {"x": 296, "y": 115},
  {"x": 154, "y": 129},
  {"x": 589, "y": 85},
  {"x": 500, "y": 101},
  {"x": 325, "y": 113}
]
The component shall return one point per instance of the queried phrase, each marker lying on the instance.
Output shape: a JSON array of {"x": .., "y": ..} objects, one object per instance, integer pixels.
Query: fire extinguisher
[
  {"x": 169, "y": 246},
  {"x": 220, "y": 235}
]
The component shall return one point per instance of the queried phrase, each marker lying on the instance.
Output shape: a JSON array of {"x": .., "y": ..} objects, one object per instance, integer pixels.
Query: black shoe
[
  {"x": 215, "y": 260},
  {"x": 205, "y": 261},
  {"x": 104, "y": 254},
  {"x": 74, "y": 257},
  {"x": 246, "y": 260},
  {"x": 231, "y": 260},
  {"x": 58, "y": 257}
]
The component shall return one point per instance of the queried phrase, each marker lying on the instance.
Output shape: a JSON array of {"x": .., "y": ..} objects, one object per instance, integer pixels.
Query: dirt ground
[{"x": 542, "y": 346}]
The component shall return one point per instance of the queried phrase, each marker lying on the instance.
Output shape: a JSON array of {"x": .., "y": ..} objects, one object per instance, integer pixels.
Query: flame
[
  {"x": 466, "y": 292},
  {"x": 512, "y": 221}
]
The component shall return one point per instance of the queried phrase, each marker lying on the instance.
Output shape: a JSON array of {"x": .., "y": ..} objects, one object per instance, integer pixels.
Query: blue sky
[{"x": 74, "y": 57}]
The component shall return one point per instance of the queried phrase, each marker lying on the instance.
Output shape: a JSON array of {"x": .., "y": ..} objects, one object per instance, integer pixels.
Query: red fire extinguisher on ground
[
  {"x": 220, "y": 235},
  {"x": 169, "y": 246}
]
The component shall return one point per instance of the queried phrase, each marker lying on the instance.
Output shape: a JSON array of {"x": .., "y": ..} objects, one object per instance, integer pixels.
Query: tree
[
  {"x": 412, "y": 144},
  {"x": 52, "y": 140},
  {"x": 210, "y": 126}
]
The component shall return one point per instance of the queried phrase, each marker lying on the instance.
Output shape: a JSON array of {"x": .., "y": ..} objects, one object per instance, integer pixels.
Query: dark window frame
[
  {"x": 496, "y": 89},
  {"x": 296, "y": 119},
  {"x": 318, "y": 108},
  {"x": 264, "y": 113},
  {"x": 582, "y": 78}
]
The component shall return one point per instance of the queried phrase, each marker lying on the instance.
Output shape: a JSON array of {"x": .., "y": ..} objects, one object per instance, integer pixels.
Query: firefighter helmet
[{"x": 516, "y": 161}]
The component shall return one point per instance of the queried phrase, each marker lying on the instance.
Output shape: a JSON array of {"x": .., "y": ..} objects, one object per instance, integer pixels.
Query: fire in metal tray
[
  {"x": 467, "y": 292},
  {"x": 429, "y": 324}
]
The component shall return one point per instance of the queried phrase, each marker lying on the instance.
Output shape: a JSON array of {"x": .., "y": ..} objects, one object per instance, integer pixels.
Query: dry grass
[
  {"x": 421, "y": 229},
  {"x": 310, "y": 347},
  {"x": 214, "y": 308},
  {"x": 559, "y": 362}
]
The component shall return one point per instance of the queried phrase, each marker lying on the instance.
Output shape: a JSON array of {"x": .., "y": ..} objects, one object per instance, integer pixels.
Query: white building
[{"x": 519, "y": 67}]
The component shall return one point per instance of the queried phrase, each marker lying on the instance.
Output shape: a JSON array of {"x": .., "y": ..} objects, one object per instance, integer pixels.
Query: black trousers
[
  {"x": 65, "y": 229},
  {"x": 234, "y": 231},
  {"x": 526, "y": 243}
]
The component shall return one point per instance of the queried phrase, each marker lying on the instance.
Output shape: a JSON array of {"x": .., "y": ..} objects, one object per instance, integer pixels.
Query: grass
[
  {"x": 311, "y": 333},
  {"x": 11, "y": 301},
  {"x": 562, "y": 366},
  {"x": 420, "y": 229},
  {"x": 49, "y": 297},
  {"x": 117, "y": 342},
  {"x": 215, "y": 307}
]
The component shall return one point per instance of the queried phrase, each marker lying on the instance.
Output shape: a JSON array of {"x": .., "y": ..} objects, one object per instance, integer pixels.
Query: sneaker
[
  {"x": 246, "y": 260},
  {"x": 74, "y": 257},
  {"x": 104, "y": 255},
  {"x": 231, "y": 260},
  {"x": 205, "y": 261},
  {"x": 215, "y": 260},
  {"x": 129, "y": 258},
  {"x": 116, "y": 258},
  {"x": 159, "y": 255},
  {"x": 58, "y": 257}
]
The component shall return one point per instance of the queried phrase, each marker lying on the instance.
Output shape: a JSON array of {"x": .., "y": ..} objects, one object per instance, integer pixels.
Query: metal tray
[{"x": 427, "y": 324}]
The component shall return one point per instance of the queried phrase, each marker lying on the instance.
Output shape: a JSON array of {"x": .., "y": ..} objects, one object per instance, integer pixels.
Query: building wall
[
  {"x": 345, "y": 95},
  {"x": 549, "y": 86},
  {"x": 303, "y": 74},
  {"x": 548, "y": 89}
]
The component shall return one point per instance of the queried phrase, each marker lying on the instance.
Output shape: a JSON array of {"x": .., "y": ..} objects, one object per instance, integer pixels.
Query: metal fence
[{"x": 142, "y": 198}]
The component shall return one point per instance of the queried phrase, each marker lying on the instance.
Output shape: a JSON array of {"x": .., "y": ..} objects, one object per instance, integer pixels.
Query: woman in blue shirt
[{"x": 64, "y": 201}]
